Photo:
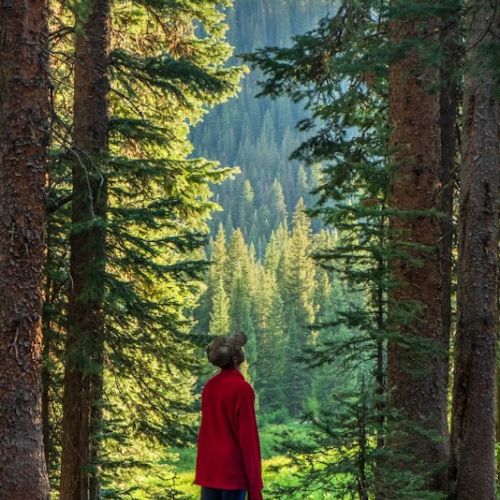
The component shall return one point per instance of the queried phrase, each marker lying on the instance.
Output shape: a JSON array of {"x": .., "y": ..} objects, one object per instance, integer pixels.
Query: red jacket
[{"x": 228, "y": 441}]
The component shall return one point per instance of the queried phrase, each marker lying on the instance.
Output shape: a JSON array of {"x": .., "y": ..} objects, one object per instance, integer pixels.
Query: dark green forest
[
  {"x": 259, "y": 135},
  {"x": 323, "y": 176}
]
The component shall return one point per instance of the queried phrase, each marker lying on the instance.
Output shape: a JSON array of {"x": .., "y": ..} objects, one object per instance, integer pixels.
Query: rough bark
[
  {"x": 84, "y": 350},
  {"x": 473, "y": 420},
  {"x": 23, "y": 163},
  {"x": 417, "y": 377}
]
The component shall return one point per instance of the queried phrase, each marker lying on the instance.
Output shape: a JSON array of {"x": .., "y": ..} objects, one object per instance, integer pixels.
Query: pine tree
[
  {"x": 270, "y": 370},
  {"x": 24, "y": 114},
  {"x": 83, "y": 383},
  {"x": 158, "y": 205},
  {"x": 241, "y": 317},
  {"x": 219, "y": 317},
  {"x": 278, "y": 207},
  {"x": 340, "y": 71},
  {"x": 299, "y": 309},
  {"x": 417, "y": 377},
  {"x": 473, "y": 419}
]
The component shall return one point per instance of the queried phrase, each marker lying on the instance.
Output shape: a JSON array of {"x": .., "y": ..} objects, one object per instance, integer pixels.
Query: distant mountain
[{"x": 259, "y": 135}]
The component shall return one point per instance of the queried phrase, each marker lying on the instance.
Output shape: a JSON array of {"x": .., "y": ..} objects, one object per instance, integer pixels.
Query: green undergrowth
[{"x": 170, "y": 474}]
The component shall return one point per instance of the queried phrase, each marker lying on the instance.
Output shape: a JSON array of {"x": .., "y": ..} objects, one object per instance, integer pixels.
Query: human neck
[{"x": 232, "y": 367}]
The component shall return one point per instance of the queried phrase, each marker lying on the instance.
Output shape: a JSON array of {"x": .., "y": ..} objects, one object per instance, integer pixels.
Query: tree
[
  {"x": 271, "y": 361},
  {"x": 83, "y": 382},
  {"x": 24, "y": 113},
  {"x": 158, "y": 205},
  {"x": 417, "y": 374},
  {"x": 340, "y": 72},
  {"x": 298, "y": 308},
  {"x": 473, "y": 420},
  {"x": 219, "y": 317}
]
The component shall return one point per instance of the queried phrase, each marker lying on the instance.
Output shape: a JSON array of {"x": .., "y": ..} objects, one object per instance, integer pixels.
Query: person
[{"x": 228, "y": 461}]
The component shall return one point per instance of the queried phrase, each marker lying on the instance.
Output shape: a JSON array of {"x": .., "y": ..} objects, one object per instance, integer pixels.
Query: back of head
[{"x": 224, "y": 348}]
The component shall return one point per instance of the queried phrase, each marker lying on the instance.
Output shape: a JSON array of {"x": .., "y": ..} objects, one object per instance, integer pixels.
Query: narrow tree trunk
[
  {"x": 416, "y": 377},
  {"x": 448, "y": 111},
  {"x": 46, "y": 398},
  {"x": 84, "y": 350},
  {"x": 46, "y": 375},
  {"x": 23, "y": 155},
  {"x": 473, "y": 422},
  {"x": 380, "y": 370}
]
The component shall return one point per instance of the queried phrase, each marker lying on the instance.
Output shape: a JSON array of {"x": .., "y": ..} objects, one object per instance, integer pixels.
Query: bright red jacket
[{"x": 228, "y": 441}]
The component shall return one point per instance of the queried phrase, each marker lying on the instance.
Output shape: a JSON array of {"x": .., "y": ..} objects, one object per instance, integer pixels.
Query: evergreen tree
[
  {"x": 473, "y": 431},
  {"x": 24, "y": 115},
  {"x": 417, "y": 378},
  {"x": 299, "y": 309},
  {"x": 340, "y": 71},
  {"x": 219, "y": 317},
  {"x": 83, "y": 382},
  {"x": 158, "y": 203},
  {"x": 270, "y": 374},
  {"x": 278, "y": 207}
]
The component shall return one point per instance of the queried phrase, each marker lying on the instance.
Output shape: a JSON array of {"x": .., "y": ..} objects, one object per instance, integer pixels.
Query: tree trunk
[
  {"x": 417, "y": 376},
  {"x": 448, "y": 112},
  {"x": 24, "y": 136},
  {"x": 380, "y": 368},
  {"x": 473, "y": 420},
  {"x": 85, "y": 343}
]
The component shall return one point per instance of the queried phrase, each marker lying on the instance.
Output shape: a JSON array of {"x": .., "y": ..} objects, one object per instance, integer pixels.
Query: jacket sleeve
[{"x": 248, "y": 437}]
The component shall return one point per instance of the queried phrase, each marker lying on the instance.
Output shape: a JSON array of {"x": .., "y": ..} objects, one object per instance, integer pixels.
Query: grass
[{"x": 174, "y": 470}]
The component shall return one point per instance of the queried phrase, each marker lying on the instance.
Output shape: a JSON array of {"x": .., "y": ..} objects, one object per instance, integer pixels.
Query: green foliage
[
  {"x": 259, "y": 135},
  {"x": 167, "y": 68},
  {"x": 339, "y": 72}
]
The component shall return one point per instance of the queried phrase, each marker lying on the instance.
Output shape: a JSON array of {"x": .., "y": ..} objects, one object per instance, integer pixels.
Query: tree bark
[
  {"x": 24, "y": 111},
  {"x": 473, "y": 420},
  {"x": 85, "y": 343},
  {"x": 416, "y": 376}
]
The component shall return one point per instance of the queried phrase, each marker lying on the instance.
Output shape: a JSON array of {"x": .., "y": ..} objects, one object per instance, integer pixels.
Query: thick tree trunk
[
  {"x": 417, "y": 377},
  {"x": 83, "y": 371},
  {"x": 473, "y": 422},
  {"x": 23, "y": 154}
]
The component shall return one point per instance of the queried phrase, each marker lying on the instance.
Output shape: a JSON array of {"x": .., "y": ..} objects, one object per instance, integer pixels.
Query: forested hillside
[{"x": 259, "y": 135}]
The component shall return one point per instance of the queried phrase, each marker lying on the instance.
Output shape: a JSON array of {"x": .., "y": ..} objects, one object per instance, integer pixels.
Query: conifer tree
[
  {"x": 219, "y": 317},
  {"x": 270, "y": 370},
  {"x": 156, "y": 214},
  {"x": 83, "y": 383},
  {"x": 24, "y": 114},
  {"x": 417, "y": 376},
  {"x": 473, "y": 421},
  {"x": 299, "y": 309},
  {"x": 340, "y": 71}
]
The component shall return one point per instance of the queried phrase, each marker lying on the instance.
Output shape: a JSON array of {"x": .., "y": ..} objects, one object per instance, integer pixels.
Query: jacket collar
[{"x": 231, "y": 372}]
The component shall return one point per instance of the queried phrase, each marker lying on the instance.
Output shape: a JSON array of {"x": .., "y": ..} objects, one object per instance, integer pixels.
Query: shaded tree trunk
[
  {"x": 82, "y": 398},
  {"x": 24, "y": 136},
  {"x": 380, "y": 367},
  {"x": 417, "y": 372},
  {"x": 473, "y": 419},
  {"x": 448, "y": 111}
]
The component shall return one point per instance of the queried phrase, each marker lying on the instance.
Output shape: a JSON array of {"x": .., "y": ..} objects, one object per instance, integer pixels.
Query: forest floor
[{"x": 175, "y": 470}]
